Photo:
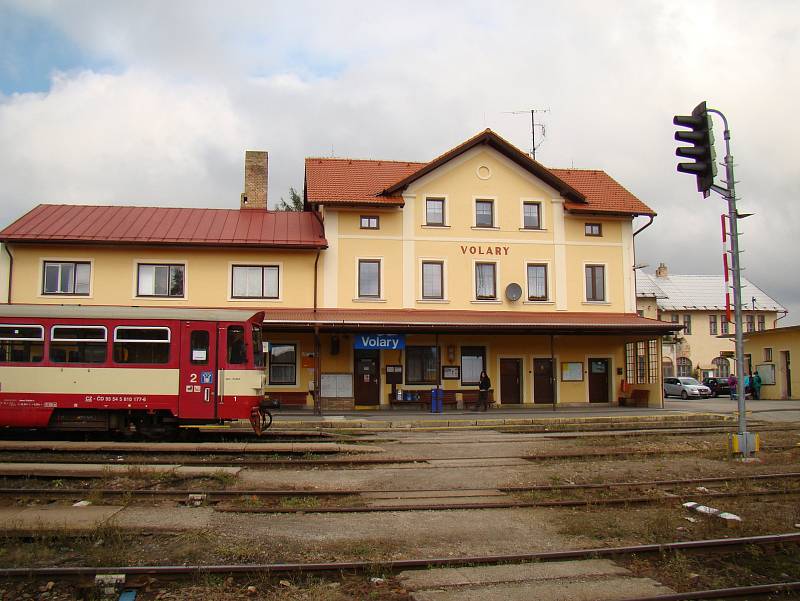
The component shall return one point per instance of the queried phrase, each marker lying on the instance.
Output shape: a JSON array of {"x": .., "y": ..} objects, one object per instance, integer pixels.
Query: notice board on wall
[
  {"x": 767, "y": 373},
  {"x": 336, "y": 386}
]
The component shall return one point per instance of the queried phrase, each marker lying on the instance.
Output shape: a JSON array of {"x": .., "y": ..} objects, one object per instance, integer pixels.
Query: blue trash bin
[{"x": 437, "y": 397}]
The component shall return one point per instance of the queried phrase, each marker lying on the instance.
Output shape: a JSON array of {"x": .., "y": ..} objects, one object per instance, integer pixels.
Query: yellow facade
[
  {"x": 770, "y": 353},
  {"x": 207, "y": 275},
  {"x": 404, "y": 241}
]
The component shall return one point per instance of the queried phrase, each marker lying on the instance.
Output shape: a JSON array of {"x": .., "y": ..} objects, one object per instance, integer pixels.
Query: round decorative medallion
[{"x": 484, "y": 172}]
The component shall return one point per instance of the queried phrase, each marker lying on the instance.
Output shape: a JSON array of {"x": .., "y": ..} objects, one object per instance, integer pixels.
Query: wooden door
[
  {"x": 510, "y": 381},
  {"x": 543, "y": 381},
  {"x": 598, "y": 380},
  {"x": 197, "y": 396},
  {"x": 366, "y": 375}
]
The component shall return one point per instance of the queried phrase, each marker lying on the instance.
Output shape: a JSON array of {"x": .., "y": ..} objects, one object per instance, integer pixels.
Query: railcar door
[{"x": 198, "y": 371}]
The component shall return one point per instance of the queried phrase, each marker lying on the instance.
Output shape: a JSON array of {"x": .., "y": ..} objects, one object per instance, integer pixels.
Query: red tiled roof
[
  {"x": 354, "y": 181},
  {"x": 162, "y": 225},
  {"x": 436, "y": 320},
  {"x": 360, "y": 182},
  {"x": 603, "y": 193}
]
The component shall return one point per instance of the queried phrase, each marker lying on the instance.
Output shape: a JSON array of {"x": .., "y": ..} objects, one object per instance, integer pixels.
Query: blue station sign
[{"x": 390, "y": 342}]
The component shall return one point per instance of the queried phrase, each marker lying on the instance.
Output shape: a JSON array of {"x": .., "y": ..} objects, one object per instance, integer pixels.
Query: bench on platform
[
  {"x": 638, "y": 397},
  {"x": 289, "y": 399}
]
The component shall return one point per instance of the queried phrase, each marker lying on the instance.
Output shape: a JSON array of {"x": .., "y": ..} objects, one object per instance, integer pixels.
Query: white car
[{"x": 685, "y": 388}]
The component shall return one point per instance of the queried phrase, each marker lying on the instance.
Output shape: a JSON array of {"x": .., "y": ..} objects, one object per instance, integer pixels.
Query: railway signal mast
[{"x": 701, "y": 138}]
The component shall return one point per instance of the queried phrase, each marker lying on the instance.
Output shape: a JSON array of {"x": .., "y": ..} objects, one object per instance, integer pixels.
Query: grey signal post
[{"x": 746, "y": 440}]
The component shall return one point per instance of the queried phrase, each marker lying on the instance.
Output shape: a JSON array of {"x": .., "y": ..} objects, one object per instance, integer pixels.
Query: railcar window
[
  {"x": 259, "y": 359},
  {"x": 237, "y": 349},
  {"x": 21, "y": 344},
  {"x": 78, "y": 344},
  {"x": 133, "y": 344},
  {"x": 199, "y": 344}
]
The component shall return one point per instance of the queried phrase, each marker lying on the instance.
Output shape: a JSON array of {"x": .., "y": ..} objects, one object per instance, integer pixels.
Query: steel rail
[
  {"x": 724, "y": 593},
  {"x": 401, "y": 564}
]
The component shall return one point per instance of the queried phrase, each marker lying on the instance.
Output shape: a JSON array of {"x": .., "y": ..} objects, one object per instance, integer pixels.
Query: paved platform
[
  {"x": 89, "y": 470},
  {"x": 586, "y": 580}
]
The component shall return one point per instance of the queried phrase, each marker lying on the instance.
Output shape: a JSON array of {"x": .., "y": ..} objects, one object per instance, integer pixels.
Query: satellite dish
[{"x": 513, "y": 292}]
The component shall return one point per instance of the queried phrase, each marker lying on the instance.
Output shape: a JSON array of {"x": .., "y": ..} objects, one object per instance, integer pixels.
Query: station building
[
  {"x": 395, "y": 279},
  {"x": 770, "y": 353},
  {"x": 705, "y": 345}
]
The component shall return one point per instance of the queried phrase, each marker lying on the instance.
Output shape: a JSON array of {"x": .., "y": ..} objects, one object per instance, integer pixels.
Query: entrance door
[
  {"x": 787, "y": 369},
  {"x": 598, "y": 380},
  {"x": 543, "y": 381},
  {"x": 366, "y": 390},
  {"x": 197, "y": 396},
  {"x": 510, "y": 380}
]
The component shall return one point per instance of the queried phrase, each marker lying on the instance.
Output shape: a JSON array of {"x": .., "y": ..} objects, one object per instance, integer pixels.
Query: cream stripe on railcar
[
  {"x": 240, "y": 382},
  {"x": 89, "y": 380}
]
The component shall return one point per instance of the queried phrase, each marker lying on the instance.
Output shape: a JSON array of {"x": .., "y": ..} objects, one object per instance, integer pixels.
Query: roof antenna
[{"x": 534, "y": 125}]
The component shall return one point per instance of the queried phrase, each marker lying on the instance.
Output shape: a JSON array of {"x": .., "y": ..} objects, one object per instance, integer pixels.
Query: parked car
[
  {"x": 718, "y": 386},
  {"x": 685, "y": 388}
]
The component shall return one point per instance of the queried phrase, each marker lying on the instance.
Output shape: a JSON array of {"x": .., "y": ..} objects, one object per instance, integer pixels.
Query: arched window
[
  {"x": 684, "y": 367},
  {"x": 722, "y": 367},
  {"x": 667, "y": 368}
]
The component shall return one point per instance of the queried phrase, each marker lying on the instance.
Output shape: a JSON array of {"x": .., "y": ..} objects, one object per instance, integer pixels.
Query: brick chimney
[
  {"x": 662, "y": 272},
  {"x": 255, "y": 180}
]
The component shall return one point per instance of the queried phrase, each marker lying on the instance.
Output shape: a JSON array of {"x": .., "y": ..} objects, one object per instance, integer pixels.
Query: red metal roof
[
  {"x": 354, "y": 181},
  {"x": 380, "y": 183},
  {"x": 163, "y": 225},
  {"x": 508, "y": 322}
]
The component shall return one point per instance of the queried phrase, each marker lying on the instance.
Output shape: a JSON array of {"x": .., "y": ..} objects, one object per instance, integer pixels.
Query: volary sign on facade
[{"x": 380, "y": 341}]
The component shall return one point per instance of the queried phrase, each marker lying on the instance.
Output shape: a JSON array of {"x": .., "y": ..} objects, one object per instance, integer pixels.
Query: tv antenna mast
[{"x": 534, "y": 125}]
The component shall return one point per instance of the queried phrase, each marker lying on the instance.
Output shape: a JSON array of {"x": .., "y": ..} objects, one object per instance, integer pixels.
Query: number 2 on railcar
[{"x": 76, "y": 368}]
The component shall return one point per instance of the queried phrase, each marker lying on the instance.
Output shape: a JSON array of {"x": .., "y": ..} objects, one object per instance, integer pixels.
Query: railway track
[
  {"x": 376, "y": 500},
  {"x": 654, "y": 552}
]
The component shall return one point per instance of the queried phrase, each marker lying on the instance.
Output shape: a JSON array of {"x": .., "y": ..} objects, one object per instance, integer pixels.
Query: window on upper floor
[
  {"x": 595, "y": 283},
  {"x": 674, "y": 318},
  {"x": 537, "y": 282},
  {"x": 432, "y": 279},
  {"x": 532, "y": 215},
  {"x": 712, "y": 325},
  {"x": 484, "y": 213},
  {"x": 762, "y": 323},
  {"x": 768, "y": 354},
  {"x": 723, "y": 324},
  {"x": 593, "y": 229},
  {"x": 370, "y": 222},
  {"x": 255, "y": 281},
  {"x": 369, "y": 278},
  {"x": 687, "y": 324},
  {"x": 66, "y": 277},
  {"x": 434, "y": 211},
  {"x": 750, "y": 323},
  {"x": 485, "y": 281},
  {"x": 160, "y": 280}
]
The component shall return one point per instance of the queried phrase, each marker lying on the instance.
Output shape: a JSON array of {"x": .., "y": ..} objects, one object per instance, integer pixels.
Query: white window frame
[
  {"x": 607, "y": 288},
  {"x": 167, "y": 341},
  {"x": 548, "y": 283},
  {"x": 381, "y": 298},
  {"x": 72, "y": 327},
  {"x": 444, "y": 298},
  {"x": 495, "y": 213},
  {"x": 445, "y": 210},
  {"x": 42, "y": 294},
  {"x": 234, "y": 299},
  {"x": 159, "y": 261},
  {"x": 475, "y": 298},
  {"x": 22, "y": 325}
]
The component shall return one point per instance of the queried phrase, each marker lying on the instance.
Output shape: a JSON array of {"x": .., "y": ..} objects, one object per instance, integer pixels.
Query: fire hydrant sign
[{"x": 389, "y": 342}]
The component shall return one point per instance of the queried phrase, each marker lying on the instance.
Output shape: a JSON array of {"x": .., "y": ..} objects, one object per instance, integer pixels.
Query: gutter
[{"x": 10, "y": 270}]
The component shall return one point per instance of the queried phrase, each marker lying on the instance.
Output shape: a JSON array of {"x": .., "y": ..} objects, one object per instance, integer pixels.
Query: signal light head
[{"x": 701, "y": 138}]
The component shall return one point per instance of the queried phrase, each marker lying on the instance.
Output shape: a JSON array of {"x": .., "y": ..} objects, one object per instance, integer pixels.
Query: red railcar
[{"x": 124, "y": 368}]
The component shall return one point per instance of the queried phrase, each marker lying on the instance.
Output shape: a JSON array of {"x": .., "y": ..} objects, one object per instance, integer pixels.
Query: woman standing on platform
[{"x": 484, "y": 384}]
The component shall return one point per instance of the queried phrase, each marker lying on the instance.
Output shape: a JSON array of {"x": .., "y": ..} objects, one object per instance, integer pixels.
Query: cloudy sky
[{"x": 154, "y": 103}]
